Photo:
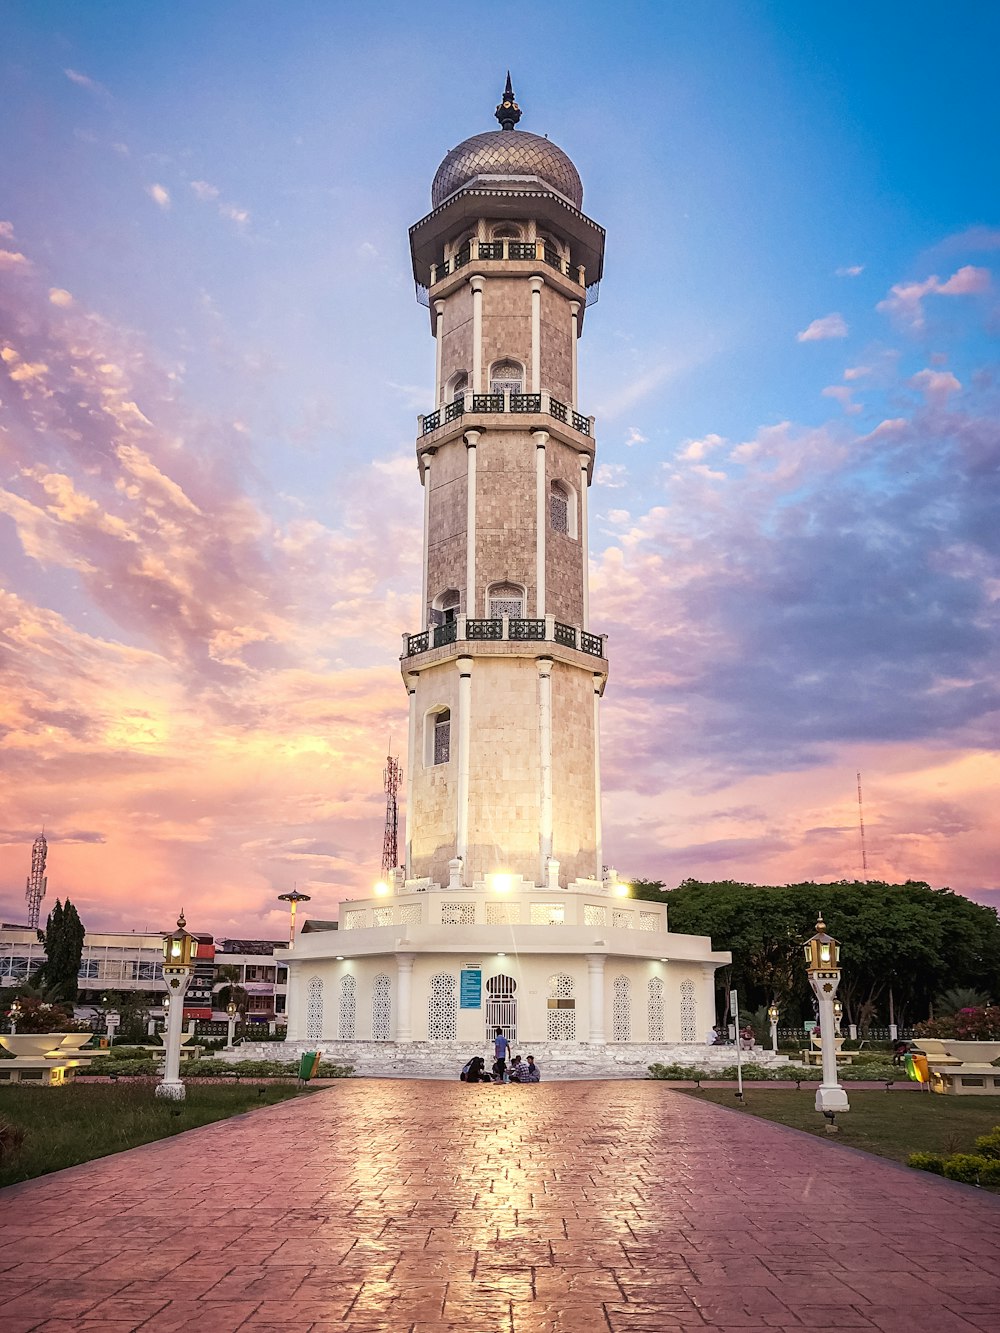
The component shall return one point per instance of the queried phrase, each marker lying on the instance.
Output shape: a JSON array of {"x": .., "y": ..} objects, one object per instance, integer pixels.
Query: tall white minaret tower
[{"x": 505, "y": 673}]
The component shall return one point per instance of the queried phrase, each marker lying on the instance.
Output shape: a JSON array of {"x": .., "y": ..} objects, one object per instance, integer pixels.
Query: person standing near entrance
[{"x": 501, "y": 1049}]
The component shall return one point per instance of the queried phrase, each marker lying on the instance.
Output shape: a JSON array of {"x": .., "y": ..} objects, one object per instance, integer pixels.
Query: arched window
[
  {"x": 501, "y": 1007},
  {"x": 442, "y": 1009},
  {"x": 382, "y": 1008},
  {"x": 506, "y": 231},
  {"x": 506, "y": 376},
  {"x": 437, "y": 737},
  {"x": 655, "y": 1008},
  {"x": 456, "y": 386},
  {"x": 689, "y": 1012},
  {"x": 445, "y": 607},
  {"x": 622, "y": 1012},
  {"x": 314, "y": 1009},
  {"x": 348, "y": 1007},
  {"x": 561, "y": 1010},
  {"x": 505, "y": 599},
  {"x": 562, "y": 508}
]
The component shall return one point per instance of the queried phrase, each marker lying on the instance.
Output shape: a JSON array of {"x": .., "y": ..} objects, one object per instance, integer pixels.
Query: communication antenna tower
[
  {"x": 391, "y": 777},
  {"x": 37, "y": 883},
  {"x": 861, "y": 822}
]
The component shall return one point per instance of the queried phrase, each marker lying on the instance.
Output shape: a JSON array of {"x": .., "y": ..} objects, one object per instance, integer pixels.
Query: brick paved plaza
[{"x": 381, "y": 1205}]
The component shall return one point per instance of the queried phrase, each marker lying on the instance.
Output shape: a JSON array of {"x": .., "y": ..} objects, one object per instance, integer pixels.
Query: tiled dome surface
[{"x": 507, "y": 152}]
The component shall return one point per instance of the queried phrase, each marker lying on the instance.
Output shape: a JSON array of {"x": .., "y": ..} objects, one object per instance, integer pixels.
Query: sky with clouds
[{"x": 211, "y": 359}]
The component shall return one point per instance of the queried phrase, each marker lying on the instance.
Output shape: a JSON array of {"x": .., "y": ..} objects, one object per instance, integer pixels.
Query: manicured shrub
[
  {"x": 988, "y": 1145},
  {"x": 678, "y": 1073},
  {"x": 966, "y": 1167},
  {"x": 927, "y": 1161}
]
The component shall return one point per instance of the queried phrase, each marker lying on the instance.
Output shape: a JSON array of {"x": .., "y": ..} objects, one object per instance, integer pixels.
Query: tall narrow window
[
  {"x": 457, "y": 385},
  {"x": 562, "y": 509},
  {"x": 506, "y": 599},
  {"x": 442, "y": 737}
]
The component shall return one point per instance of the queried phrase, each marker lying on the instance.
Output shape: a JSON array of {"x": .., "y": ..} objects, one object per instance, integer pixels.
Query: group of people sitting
[{"x": 520, "y": 1071}]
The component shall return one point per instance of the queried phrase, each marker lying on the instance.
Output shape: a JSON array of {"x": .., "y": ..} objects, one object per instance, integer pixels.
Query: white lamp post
[
  {"x": 231, "y": 1012},
  {"x": 178, "y": 964},
  {"x": 15, "y": 1014},
  {"x": 822, "y": 954},
  {"x": 772, "y": 1015}
]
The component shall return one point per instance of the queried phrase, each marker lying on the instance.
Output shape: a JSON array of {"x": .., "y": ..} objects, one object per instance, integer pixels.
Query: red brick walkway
[{"x": 378, "y": 1205}]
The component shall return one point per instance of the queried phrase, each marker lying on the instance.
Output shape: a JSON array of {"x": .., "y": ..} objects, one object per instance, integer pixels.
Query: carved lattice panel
[
  {"x": 348, "y": 1007},
  {"x": 654, "y": 1008},
  {"x": 562, "y": 1025},
  {"x": 503, "y": 914},
  {"x": 689, "y": 1012},
  {"x": 547, "y": 914},
  {"x": 649, "y": 921},
  {"x": 442, "y": 1009},
  {"x": 623, "y": 920},
  {"x": 381, "y": 916},
  {"x": 458, "y": 914},
  {"x": 356, "y": 918},
  {"x": 594, "y": 915},
  {"x": 622, "y": 1011},
  {"x": 382, "y": 1008},
  {"x": 560, "y": 986},
  {"x": 409, "y": 914},
  {"x": 314, "y": 1010}
]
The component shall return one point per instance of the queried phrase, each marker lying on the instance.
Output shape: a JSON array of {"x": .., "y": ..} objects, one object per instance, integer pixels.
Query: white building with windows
[{"x": 503, "y": 914}]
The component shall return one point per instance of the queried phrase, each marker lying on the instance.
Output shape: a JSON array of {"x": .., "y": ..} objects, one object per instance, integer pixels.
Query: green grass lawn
[
  {"x": 888, "y": 1124},
  {"x": 66, "y": 1126}
]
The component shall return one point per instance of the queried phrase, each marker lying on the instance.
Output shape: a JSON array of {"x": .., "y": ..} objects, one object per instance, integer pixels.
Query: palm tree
[
  {"x": 958, "y": 998},
  {"x": 230, "y": 992}
]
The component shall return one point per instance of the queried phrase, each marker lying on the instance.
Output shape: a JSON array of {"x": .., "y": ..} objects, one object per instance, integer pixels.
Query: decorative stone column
[
  {"x": 585, "y": 537},
  {"x": 439, "y": 349},
  {"x": 428, "y": 454},
  {"x": 598, "y": 823},
  {"x": 541, "y": 438},
  {"x": 574, "y": 314},
  {"x": 536, "y": 285},
  {"x": 544, "y": 665},
  {"x": 477, "y": 284},
  {"x": 595, "y": 969},
  {"x": 471, "y": 440},
  {"x": 411, "y": 762},
  {"x": 404, "y": 996},
  {"x": 464, "y": 751}
]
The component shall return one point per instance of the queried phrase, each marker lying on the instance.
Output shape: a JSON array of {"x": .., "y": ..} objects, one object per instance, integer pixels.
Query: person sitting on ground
[
  {"x": 475, "y": 1072},
  {"x": 532, "y": 1073},
  {"x": 517, "y": 1070},
  {"x": 747, "y": 1038}
]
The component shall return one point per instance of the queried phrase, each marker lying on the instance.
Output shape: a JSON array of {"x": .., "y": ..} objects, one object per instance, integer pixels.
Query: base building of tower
[{"x": 503, "y": 913}]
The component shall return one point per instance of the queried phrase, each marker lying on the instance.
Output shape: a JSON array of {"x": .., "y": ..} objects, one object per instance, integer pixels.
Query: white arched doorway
[{"x": 501, "y": 1007}]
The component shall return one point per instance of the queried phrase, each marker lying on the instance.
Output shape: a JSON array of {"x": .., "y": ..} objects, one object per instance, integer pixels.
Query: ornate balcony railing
[
  {"x": 525, "y": 404},
  {"x": 515, "y": 629},
  {"x": 534, "y": 251}
]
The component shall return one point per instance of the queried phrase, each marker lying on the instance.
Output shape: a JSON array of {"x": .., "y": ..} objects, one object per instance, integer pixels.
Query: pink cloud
[
  {"x": 905, "y": 300},
  {"x": 830, "y": 326}
]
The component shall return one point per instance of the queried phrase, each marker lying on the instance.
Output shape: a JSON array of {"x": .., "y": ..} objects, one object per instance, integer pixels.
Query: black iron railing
[
  {"x": 463, "y": 255},
  {"x": 515, "y": 250},
  {"x": 521, "y": 250},
  {"x": 523, "y": 403},
  {"x": 591, "y": 643},
  {"x": 417, "y": 643},
  {"x": 565, "y": 634},
  {"x": 526, "y": 629},
  {"x": 526, "y": 402},
  {"x": 446, "y": 633},
  {"x": 519, "y": 629},
  {"x": 454, "y": 409},
  {"x": 487, "y": 402},
  {"x": 484, "y": 629},
  {"x": 491, "y": 249}
]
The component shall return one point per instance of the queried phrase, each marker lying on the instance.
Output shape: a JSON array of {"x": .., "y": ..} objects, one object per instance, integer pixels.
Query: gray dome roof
[{"x": 507, "y": 153}]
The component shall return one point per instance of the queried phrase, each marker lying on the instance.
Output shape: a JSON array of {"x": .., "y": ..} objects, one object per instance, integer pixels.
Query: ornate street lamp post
[
  {"x": 293, "y": 899},
  {"x": 178, "y": 964},
  {"x": 15, "y": 1014},
  {"x": 231, "y": 1012},
  {"x": 772, "y": 1017},
  {"x": 822, "y": 954}
]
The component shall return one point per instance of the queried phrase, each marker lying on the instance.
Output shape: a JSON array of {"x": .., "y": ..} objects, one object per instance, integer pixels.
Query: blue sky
[{"x": 792, "y": 362}]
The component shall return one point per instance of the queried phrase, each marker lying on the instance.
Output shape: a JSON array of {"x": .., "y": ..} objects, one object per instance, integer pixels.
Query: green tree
[
  {"x": 231, "y": 990},
  {"x": 64, "y": 936}
]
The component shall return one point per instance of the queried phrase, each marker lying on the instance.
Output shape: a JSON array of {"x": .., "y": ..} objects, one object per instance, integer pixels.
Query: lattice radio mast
[
  {"x": 391, "y": 778},
  {"x": 861, "y": 822},
  {"x": 37, "y": 883}
]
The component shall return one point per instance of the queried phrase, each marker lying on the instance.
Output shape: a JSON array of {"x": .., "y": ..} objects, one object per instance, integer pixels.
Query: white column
[
  {"x": 477, "y": 284},
  {"x": 541, "y": 438},
  {"x": 464, "y": 749},
  {"x": 413, "y": 749},
  {"x": 536, "y": 334},
  {"x": 598, "y": 827},
  {"x": 595, "y": 969},
  {"x": 574, "y": 311},
  {"x": 427, "y": 538},
  {"x": 171, "y": 1086},
  {"x": 544, "y": 665},
  {"x": 404, "y": 996},
  {"x": 471, "y": 440},
  {"x": 584, "y": 538},
  {"x": 439, "y": 351}
]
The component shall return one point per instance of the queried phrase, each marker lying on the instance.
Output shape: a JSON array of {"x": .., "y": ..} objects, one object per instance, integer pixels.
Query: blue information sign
[{"x": 471, "y": 988}]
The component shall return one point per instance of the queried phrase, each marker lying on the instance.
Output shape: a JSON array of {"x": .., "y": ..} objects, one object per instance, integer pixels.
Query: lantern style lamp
[
  {"x": 179, "y": 951},
  {"x": 822, "y": 955},
  {"x": 231, "y": 1012},
  {"x": 773, "y": 1014},
  {"x": 15, "y": 1014}
]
